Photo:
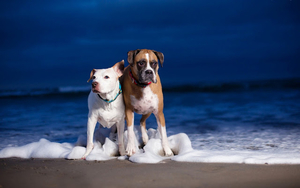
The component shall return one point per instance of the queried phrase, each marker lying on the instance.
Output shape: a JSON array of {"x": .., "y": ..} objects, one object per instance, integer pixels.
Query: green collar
[{"x": 109, "y": 101}]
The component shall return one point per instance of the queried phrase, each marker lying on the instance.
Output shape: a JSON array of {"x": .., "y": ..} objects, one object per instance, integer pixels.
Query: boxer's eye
[
  {"x": 106, "y": 77},
  {"x": 93, "y": 77},
  {"x": 141, "y": 63}
]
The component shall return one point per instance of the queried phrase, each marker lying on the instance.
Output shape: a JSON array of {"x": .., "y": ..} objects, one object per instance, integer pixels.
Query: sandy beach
[{"x": 15, "y": 172}]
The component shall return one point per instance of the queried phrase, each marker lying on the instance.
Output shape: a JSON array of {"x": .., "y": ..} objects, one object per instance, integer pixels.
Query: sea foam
[{"x": 151, "y": 153}]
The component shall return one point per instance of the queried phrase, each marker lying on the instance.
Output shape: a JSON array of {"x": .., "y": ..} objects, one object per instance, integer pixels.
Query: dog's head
[
  {"x": 144, "y": 64},
  {"x": 105, "y": 80}
]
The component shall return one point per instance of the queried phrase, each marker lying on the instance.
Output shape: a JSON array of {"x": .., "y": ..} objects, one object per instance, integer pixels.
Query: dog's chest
[
  {"x": 147, "y": 104},
  {"x": 110, "y": 114}
]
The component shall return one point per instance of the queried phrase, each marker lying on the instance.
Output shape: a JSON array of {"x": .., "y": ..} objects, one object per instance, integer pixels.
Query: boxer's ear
[
  {"x": 160, "y": 56},
  {"x": 92, "y": 74},
  {"x": 119, "y": 68},
  {"x": 131, "y": 54}
]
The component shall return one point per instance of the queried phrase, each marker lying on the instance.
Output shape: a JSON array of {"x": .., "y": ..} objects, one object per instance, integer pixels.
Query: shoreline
[{"x": 16, "y": 172}]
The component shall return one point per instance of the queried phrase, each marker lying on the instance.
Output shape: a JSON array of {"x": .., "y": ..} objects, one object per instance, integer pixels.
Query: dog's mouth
[
  {"x": 147, "y": 77},
  {"x": 94, "y": 90},
  {"x": 95, "y": 87},
  {"x": 147, "y": 80}
]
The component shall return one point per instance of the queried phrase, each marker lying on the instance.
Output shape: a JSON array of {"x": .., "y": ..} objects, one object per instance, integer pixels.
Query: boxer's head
[
  {"x": 144, "y": 64},
  {"x": 106, "y": 80}
]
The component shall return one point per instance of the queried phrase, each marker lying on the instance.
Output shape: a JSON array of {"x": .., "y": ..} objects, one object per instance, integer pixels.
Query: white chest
[
  {"x": 147, "y": 104},
  {"x": 108, "y": 118},
  {"x": 106, "y": 114}
]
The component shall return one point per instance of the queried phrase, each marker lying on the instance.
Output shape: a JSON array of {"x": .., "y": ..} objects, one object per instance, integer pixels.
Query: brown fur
[{"x": 131, "y": 89}]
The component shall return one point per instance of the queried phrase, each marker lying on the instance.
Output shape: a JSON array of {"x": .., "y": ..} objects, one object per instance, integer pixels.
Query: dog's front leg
[
  {"x": 91, "y": 124},
  {"x": 130, "y": 149},
  {"x": 120, "y": 129},
  {"x": 163, "y": 133}
]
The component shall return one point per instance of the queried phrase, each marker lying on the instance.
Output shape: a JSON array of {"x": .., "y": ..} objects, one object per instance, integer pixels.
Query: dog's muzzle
[
  {"x": 94, "y": 84},
  {"x": 147, "y": 76},
  {"x": 95, "y": 87}
]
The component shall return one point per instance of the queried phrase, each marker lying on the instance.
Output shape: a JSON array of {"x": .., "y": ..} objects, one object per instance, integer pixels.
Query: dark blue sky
[{"x": 57, "y": 43}]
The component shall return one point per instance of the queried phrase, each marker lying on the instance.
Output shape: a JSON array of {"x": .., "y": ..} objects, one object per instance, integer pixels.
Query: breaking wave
[{"x": 198, "y": 87}]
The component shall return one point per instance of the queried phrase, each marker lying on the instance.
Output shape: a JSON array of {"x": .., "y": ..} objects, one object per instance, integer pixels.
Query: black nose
[
  {"x": 94, "y": 84},
  {"x": 149, "y": 72}
]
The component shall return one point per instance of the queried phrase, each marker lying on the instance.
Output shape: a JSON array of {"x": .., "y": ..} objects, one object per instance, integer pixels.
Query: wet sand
[{"x": 16, "y": 172}]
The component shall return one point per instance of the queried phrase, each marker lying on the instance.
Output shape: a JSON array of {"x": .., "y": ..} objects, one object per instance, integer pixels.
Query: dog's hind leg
[
  {"x": 113, "y": 133},
  {"x": 143, "y": 128},
  {"x": 120, "y": 127}
]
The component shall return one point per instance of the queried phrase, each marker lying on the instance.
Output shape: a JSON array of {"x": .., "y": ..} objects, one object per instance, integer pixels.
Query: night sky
[{"x": 57, "y": 43}]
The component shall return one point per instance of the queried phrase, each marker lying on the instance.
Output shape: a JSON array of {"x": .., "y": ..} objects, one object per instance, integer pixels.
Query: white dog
[{"x": 106, "y": 104}]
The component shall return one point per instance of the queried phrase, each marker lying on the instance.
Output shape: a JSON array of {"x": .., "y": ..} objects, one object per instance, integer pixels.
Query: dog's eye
[
  {"x": 141, "y": 63},
  {"x": 106, "y": 77},
  {"x": 93, "y": 77}
]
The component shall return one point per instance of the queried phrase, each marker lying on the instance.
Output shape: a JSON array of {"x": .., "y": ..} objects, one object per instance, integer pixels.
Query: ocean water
[{"x": 246, "y": 122}]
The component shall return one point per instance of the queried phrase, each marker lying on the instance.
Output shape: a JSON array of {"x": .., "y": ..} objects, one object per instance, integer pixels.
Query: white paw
[
  {"x": 168, "y": 152},
  {"x": 130, "y": 149},
  {"x": 88, "y": 150},
  {"x": 145, "y": 139},
  {"x": 122, "y": 150}
]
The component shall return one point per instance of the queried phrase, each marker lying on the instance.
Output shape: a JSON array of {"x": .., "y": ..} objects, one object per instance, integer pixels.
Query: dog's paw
[
  {"x": 145, "y": 139},
  {"x": 168, "y": 152},
  {"x": 130, "y": 150},
  {"x": 88, "y": 150},
  {"x": 84, "y": 157},
  {"x": 122, "y": 151}
]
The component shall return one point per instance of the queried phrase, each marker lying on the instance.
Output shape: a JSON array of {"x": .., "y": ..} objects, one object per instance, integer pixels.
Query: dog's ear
[
  {"x": 160, "y": 56},
  {"x": 119, "y": 68},
  {"x": 131, "y": 54},
  {"x": 92, "y": 74}
]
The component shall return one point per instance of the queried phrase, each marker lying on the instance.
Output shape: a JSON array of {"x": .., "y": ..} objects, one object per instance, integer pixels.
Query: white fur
[
  {"x": 106, "y": 86},
  {"x": 130, "y": 149},
  {"x": 147, "y": 57},
  {"x": 107, "y": 114},
  {"x": 164, "y": 139},
  {"x": 149, "y": 67},
  {"x": 147, "y": 104},
  {"x": 145, "y": 137}
]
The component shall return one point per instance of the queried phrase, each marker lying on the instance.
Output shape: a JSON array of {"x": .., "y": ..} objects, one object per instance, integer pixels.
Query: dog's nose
[
  {"x": 94, "y": 84},
  {"x": 149, "y": 72}
]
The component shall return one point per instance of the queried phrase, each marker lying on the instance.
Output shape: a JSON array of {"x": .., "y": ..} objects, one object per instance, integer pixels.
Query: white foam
[
  {"x": 41, "y": 149},
  {"x": 152, "y": 153},
  {"x": 68, "y": 89},
  {"x": 99, "y": 153}
]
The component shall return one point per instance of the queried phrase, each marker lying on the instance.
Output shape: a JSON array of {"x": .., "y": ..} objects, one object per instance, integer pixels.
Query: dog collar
[
  {"x": 137, "y": 82},
  {"x": 109, "y": 101}
]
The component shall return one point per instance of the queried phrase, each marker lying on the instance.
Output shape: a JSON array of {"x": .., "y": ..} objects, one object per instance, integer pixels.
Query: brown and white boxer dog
[{"x": 142, "y": 93}]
